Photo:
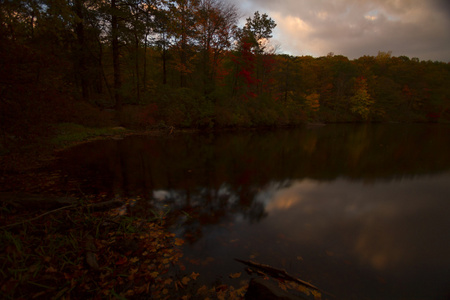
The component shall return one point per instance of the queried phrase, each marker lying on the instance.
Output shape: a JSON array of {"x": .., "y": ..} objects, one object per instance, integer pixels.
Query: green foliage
[{"x": 258, "y": 29}]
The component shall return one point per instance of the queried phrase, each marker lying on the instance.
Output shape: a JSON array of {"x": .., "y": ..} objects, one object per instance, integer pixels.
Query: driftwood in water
[{"x": 277, "y": 273}]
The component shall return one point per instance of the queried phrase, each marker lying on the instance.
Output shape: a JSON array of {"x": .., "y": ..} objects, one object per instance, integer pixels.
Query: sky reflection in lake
[{"x": 391, "y": 224}]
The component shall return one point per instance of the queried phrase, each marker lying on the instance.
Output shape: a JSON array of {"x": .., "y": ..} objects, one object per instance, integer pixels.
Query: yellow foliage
[
  {"x": 134, "y": 260},
  {"x": 362, "y": 102},
  {"x": 312, "y": 102}
]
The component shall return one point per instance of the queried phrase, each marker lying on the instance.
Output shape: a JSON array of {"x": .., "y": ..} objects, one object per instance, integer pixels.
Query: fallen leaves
[
  {"x": 222, "y": 291},
  {"x": 51, "y": 270},
  {"x": 291, "y": 286},
  {"x": 135, "y": 257},
  {"x": 185, "y": 280},
  {"x": 122, "y": 260},
  {"x": 194, "y": 275}
]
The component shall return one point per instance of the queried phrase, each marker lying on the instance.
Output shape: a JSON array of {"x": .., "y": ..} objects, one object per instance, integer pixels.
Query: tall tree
[
  {"x": 183, "y": 29},
  {"x": 162, "y": 30},
  {"x": 257, "y": 31},
  {"x": 80, "y": 49},
  {"x": 216, "y": 23},
  {"x": 115, "y": 18}
]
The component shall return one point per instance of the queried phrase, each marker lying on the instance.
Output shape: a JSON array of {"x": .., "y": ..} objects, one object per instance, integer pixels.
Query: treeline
[{"x": 187, "y": 63}]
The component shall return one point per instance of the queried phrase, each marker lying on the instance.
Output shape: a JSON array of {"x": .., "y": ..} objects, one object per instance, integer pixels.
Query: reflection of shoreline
[{"x": 373, "y": 153}]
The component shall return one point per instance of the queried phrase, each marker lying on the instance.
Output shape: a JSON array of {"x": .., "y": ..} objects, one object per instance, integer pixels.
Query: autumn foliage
[{"x": 188, "y": 64}]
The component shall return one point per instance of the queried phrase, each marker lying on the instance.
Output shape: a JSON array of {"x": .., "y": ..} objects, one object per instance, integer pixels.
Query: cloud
[{"x": 354, "y": 28}]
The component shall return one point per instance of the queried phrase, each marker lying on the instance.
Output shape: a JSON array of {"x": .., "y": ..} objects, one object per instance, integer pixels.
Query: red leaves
[{"x": 122, "y": 260}]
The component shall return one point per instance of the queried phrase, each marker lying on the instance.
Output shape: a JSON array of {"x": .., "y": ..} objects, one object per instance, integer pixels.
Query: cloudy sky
[{"x": 353, "y": 28}]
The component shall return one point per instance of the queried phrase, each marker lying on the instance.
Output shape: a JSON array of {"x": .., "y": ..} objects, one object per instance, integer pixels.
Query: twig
[
  {"x": 40, "y": 216},
  {"x": 95, "y": 206}
]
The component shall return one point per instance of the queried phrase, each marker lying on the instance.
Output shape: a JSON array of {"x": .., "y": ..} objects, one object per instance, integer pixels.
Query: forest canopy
[{"x": 187, "y": 63}]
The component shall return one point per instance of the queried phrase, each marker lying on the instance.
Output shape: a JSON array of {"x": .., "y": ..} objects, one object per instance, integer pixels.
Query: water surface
[{"x": 362, "y": 211}]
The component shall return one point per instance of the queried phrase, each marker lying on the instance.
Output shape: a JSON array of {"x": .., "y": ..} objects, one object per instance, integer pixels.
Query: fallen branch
[{"x": 277, "y": 273}]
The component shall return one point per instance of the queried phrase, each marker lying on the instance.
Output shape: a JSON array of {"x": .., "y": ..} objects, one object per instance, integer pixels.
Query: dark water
[{"x": 362, "y": 211}]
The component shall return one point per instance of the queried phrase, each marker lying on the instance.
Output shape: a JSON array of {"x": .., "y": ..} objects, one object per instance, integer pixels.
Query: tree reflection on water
[{"x": 364, "y": 206}]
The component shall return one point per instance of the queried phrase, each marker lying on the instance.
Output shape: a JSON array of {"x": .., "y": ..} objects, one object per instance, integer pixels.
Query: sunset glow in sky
[{"x": 353, "y": 28}]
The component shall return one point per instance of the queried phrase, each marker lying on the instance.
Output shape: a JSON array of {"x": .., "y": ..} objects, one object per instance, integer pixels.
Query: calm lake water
[{"x": 361, "y": 211}]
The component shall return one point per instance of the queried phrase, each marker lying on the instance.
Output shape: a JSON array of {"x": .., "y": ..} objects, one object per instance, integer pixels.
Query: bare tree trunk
[
  {"x": 115, "y": 53},
  {"x": 144, "y": 76},
  {"x": 81, "y": 51},
  {"x": 138, "y": 80},
  {"x": 164, "y": 65}
]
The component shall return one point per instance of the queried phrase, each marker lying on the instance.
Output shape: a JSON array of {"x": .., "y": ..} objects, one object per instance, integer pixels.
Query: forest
[{"x": 146, "y": 64}]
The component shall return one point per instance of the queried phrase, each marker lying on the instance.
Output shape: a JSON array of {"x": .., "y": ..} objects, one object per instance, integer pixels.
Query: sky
[{"x": 354, "y": 28}]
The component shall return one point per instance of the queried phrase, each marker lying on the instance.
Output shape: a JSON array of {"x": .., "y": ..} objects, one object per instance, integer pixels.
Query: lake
[{"x": 361, "y": 211}]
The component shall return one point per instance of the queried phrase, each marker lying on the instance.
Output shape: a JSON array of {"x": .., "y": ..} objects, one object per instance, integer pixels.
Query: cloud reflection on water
[{"x": 386, "y": 225}]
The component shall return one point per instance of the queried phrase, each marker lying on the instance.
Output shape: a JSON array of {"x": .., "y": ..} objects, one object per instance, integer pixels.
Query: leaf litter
[{"x": 55, "y": 257}]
